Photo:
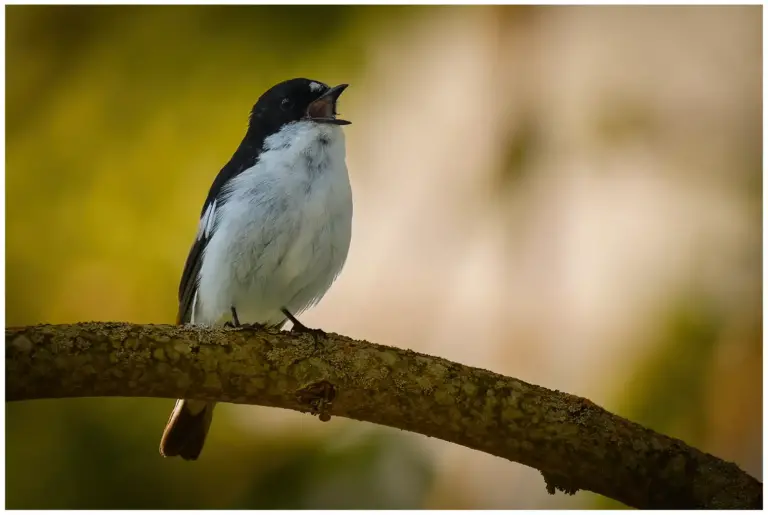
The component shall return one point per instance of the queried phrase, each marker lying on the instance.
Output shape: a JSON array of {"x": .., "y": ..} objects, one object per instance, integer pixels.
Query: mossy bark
[{"x": 573, "y": 442}]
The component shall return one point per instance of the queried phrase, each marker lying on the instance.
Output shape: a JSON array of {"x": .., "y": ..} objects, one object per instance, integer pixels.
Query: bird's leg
[
  {"x": 235, "y": 321},
  {"x": 298, "y": 327}
]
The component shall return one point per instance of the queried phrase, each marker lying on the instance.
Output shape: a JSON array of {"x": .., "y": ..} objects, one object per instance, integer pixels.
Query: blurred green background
[
  {"x": 117, "y": 120},
  {"x": 584, "y": 181}
]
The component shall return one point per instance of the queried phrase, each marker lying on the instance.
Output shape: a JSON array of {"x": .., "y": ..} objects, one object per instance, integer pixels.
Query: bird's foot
[
  {"x": 317, "y": 334},
  {"x": 299, "y": 328},
  {"x": 254, "y": 327}
]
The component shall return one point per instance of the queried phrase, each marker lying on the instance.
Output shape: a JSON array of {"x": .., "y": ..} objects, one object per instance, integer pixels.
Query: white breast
[{"x": 282, "y": 235}]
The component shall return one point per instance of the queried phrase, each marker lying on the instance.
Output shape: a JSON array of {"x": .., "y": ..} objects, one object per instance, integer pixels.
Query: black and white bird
[{"x": 274, "y": 231}]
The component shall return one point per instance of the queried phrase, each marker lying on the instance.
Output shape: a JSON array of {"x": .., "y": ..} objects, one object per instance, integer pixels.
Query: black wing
[
  {"x": 189, "y": 279},
  {"x": 243, "y": 159}
]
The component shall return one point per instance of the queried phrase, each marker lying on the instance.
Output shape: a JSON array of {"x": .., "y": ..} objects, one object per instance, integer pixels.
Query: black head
[{"x": 295, "y": 100}]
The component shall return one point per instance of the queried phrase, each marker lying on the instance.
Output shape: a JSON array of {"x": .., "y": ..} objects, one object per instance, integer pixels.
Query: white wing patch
[
  {"x": 206, "y": 222},
  {"x": 194, "y": 308},
  {"x": 315, "y": 86}
]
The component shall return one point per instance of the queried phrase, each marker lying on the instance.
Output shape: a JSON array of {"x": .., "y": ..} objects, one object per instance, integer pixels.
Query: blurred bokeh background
[{"x": 568, "y": 195}]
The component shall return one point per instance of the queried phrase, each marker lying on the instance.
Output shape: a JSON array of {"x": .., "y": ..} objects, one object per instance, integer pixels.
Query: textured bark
[{"x": 573, "y": 442}]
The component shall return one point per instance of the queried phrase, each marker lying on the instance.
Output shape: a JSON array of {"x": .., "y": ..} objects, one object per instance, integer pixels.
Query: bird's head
[{"x": 296, "y": 100}]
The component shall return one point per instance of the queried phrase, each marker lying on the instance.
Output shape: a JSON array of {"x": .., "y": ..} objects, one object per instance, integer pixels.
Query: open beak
[{"x": 323, "y": 110}]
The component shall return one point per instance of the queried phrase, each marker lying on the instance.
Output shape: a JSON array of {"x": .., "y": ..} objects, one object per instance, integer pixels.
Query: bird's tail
[{"x": 187, "y": 428}]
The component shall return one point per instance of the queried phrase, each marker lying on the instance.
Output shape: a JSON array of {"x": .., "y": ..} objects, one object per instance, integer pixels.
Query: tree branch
[{"x": 573, "y": 442}]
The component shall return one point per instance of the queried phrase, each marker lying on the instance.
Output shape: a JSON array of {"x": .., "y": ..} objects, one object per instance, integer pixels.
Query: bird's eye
[{"x": 286, "y": 104}]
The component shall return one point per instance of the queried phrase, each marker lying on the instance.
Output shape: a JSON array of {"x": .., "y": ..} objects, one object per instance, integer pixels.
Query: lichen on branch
[{"x": 573, "y": 442}]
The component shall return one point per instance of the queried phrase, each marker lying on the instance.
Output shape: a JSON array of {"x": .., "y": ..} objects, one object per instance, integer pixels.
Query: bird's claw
[
  {"x": 299, "y": 328},
  {"x": 317, "y": 334},
  {"x": 254, "y": 326}
]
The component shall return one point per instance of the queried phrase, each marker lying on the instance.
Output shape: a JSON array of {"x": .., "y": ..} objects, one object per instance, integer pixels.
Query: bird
[{"x": 274, "y": 230}]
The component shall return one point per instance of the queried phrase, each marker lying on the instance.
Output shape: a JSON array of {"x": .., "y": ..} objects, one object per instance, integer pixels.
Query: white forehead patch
[{"x": 315, "y": 86}]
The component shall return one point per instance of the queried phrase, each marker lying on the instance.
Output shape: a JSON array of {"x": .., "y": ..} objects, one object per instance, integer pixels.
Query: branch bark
[{"x": 573, "y": 442}]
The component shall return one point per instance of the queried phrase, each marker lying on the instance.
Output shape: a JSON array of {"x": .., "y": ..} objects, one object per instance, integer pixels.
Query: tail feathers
[{"x": 187, "y": 428}]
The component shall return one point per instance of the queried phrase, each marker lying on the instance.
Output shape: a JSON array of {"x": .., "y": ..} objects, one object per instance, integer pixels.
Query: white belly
[{"x": 283, "y": 235}]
